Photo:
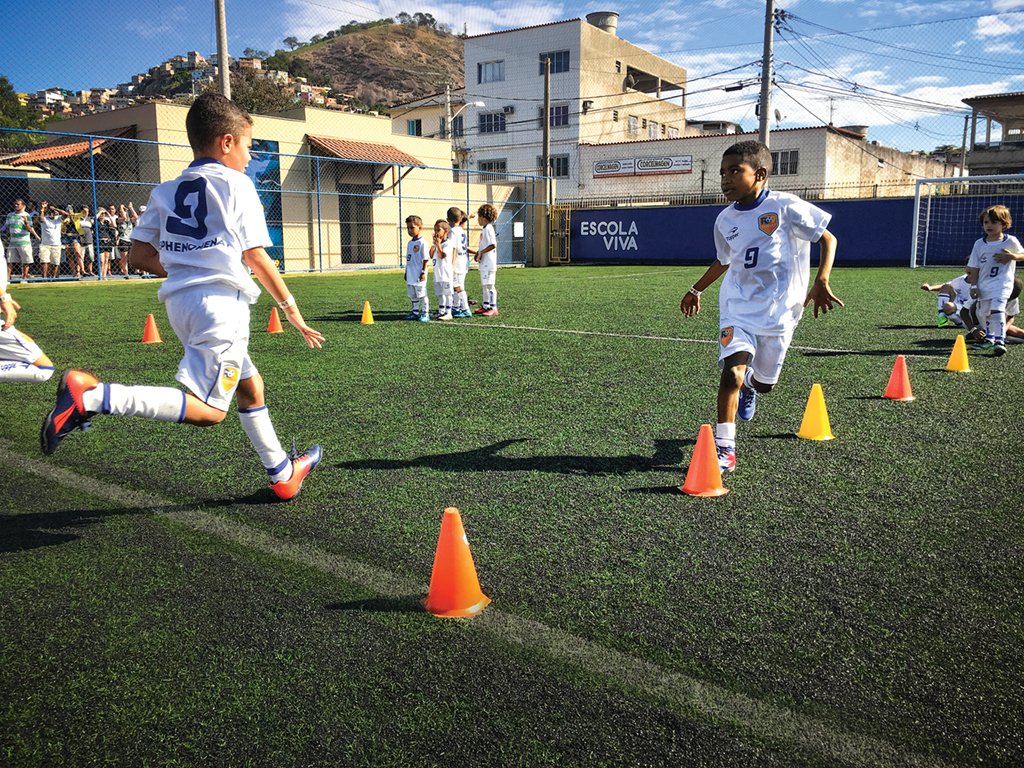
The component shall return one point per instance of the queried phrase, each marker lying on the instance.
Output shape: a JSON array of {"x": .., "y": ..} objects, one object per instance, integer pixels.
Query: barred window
[
  {"x": 559, "y": 166},
  {"x": 490, "y": 71},
  {"x": 785, "y": 162},
  {"x": 492, "y": 122},
  {"x": 559, "y": 61},
  {"x": 494, "y": 170}
]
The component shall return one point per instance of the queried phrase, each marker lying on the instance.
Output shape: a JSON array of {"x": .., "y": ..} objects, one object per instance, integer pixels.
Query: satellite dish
[
  {"x": 778, "y": 116},
  {"x": 630, "y": 80}
]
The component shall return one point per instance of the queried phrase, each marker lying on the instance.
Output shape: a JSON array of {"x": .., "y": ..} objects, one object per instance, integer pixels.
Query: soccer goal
[{"x": 946, "y": 215}]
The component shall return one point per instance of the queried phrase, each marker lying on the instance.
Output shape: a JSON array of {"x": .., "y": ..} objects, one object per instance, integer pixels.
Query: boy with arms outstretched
[
  {"x": 763, "y": 245},
  {"x": 203, "y": 231}
]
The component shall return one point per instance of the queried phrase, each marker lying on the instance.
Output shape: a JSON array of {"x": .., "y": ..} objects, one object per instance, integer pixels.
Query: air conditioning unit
[{"x": 509, "y": 109}]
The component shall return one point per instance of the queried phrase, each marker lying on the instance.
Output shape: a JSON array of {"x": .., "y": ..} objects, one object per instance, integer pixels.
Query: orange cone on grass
[
  {"x": 367, "y": 314},
  {"x": 815, "y": 425},
  {"x": 274, "y": 326},
  {"x": 899, "y": 382},
  {"x": 454, "y": 587},
  {"x": 152, "y": 334},
  {"x": 704, "y": 478},
  {"x": 958, "y": 357}
]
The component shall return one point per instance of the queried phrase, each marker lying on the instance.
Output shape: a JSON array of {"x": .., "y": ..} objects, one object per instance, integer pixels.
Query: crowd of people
[{"x": 47, "y": 241}]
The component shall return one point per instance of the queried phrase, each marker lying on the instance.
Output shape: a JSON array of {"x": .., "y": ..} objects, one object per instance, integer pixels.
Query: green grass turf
[{"x": 869, "y": 585}]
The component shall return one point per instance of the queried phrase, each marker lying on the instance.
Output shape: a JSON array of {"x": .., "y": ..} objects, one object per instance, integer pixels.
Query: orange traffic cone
[
  {"x": 367, "y": 314},
  {"x": 958, "y": 357},
  {"x": 815, "y": 425},
  {"x": 899, "y": 382},
  {"x": 151, "y": 335},
  {"x": 274, "y": 326},
  {"x": 454, "y": 588},
  {"x": 704, "y": 478}
]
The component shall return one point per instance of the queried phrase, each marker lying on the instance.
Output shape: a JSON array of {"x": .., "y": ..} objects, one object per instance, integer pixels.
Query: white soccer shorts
[
  {"x": 212, "y": 323},
  {"x": 15, "y": 346},
  {"x": 768, "y": 352}
]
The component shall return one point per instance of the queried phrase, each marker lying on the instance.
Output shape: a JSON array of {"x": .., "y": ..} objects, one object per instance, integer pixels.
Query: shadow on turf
[
  {"x": 925, "y": 348},
  {"x": 668, "y": 455},
  {"x": 357, "y": 316},
  {"x": 408, "y": 604}
]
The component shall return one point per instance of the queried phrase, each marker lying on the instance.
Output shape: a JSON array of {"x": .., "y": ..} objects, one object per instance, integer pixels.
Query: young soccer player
[
  {"x": 486, "y": 256},
  {"x": 991, "y": 268},
  {"x": 21, "y": 359},
  {"x": 443, "y": 254},
  {"x": 203, "y": 231},
  {"x": 416, "y": 270},
  {"x": 763, "y": 245},
  {"x": 953, "y": 297},
  {"x": 460, "y": 266}
]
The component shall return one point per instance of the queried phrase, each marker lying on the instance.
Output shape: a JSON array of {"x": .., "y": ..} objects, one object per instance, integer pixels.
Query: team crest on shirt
[
  {"x": 416, "y": 248},
  {"x": 229, "y": 377},
  {"x": 768, "y": 222},
  {"x": 726, "y": 336}
]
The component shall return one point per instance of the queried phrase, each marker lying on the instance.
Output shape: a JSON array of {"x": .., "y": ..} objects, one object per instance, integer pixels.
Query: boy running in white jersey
[
  {"x": 203, "y": 231},
  {"x": 763, "y": 244},
  {"x": 991, "y": 267},
  {"x": 416, "y": 270},
  {"x": 21, "y": 359}
]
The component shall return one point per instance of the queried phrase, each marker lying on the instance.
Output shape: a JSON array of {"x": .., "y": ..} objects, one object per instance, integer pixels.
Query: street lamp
[{"x": 451, "y": 120}]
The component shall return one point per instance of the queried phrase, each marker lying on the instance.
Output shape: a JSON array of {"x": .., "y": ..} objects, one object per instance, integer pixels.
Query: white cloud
[
  {"x": 997, "y": 26},
  {"x": 152, "y": 27},
  {"x": 1007, "y": 5}
]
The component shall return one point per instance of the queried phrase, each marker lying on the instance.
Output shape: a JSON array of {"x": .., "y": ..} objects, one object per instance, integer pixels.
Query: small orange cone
[
  {"x": 899, "y": 382},
  {"x": 704, "y": 478},
  {"x": 274, "y": 326},
  {"x": 367, "y": 314},
  {"x": 815, "y": 425},
  {"x": 152, "y": 334},
  {"x": 454, "y": 588},
  {"x": 958, "y": 357}
]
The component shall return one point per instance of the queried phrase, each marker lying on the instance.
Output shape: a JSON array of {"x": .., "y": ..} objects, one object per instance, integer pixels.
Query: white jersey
[
  {"x": 995, "y": 280},
  {"x": 416, "y": 254},
  {"x": 767, "y": 247},
  {"x": 201, "y": 222},
  {"x": 489, "y": 260},
  {"x": 443, "y": 266},
  {"x": 457, "y": 236}
]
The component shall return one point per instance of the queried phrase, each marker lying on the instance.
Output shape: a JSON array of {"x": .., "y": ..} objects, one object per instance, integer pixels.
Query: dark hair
[
  {"x": 454, "y": 215},
  {"x": 997, "y": 214},
  {"x": 444, "y": 224},
  {"x": 212, "y": 115},
  {"x": 754, "y": 153},
  {"x": 488, "y": 211},
  {"x": 414, "y": 220}
]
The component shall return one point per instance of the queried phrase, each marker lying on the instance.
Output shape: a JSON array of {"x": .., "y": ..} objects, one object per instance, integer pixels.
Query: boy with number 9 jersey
[
  {"x": 763, "y": 246},
  {"x": 203, "y": 231}
]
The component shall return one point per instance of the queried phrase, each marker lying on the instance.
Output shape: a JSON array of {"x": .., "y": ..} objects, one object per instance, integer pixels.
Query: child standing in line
[
  {"x": 460, "y": 266},
  {"x": 763, "y": 245},
  {"x": 991, "y": 268},
  {"x": 486, "y": 256},
  {"x": 416, "y": 270},
  {"x": 21, "y": 359},
  {"x": 203, "y": 231},
  {"x": 443, "y": 254}
]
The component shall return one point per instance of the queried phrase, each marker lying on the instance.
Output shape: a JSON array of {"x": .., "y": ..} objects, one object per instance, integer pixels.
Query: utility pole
[
  {"x": 963, "y": 145},
  {"x": 547, "y": 121},
  {"x": 223, "y": 70},
  {"x": 766, "y": 72}
]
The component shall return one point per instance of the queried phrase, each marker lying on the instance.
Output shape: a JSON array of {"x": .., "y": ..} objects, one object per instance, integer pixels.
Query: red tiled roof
[
  {"x": 366, "y": 151},
  {"x": 64, "y": 148}
]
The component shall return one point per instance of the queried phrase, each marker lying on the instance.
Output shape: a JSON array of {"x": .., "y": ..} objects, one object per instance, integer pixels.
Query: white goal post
[{"x": 946, "y": 214}]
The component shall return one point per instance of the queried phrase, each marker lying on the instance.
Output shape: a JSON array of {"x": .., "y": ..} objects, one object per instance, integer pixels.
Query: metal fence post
[{"x": 319, "y": 218}]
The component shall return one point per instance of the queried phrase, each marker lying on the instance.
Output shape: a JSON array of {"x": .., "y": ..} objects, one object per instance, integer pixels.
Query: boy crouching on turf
[
  {"x": 203, "y": 232},
  {"x": 21, "y": 359},
  {"x": 763, "y": 245}
]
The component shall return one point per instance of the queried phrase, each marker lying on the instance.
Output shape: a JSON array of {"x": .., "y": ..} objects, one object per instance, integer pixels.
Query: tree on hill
[
  {"x": 292, "y": 42},
  {"x": 257, "y": 95},
  {"x": 14, "y": 115}
]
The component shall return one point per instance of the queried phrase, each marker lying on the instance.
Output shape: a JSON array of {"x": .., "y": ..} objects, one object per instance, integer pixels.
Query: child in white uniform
[
  {"x": 991, "y": 267},
  {"x": 443, "y": 254},
  {"x": 953, "y": 298},
  {"x": 763, "y": 244},
  {"x": 486, "y": 255},
  {"x": 460, "y": 266},
  {"x": 21, "y": 359},
  {"x": 416, "y": 270},
  {"x": 203, "y": 231}
]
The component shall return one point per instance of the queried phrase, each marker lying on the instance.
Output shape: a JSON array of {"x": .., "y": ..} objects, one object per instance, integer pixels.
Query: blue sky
[{"x": 899, "y": 66}]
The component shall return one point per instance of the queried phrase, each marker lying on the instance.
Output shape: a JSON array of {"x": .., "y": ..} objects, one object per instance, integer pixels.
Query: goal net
[{"x": 946, "y": 215}]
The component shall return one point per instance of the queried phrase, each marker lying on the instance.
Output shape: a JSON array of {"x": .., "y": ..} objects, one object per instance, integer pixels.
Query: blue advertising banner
[{"x": 265, "y": 171}]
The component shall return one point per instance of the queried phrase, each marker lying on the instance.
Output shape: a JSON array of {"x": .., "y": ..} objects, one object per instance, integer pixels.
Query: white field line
[
  {"x": 570, "y": 331},
  {"x": 686, "y": 696}
]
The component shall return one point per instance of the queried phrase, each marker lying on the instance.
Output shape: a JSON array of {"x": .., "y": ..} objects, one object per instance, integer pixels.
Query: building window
[
  {"x": 618, "y": 67},
  {"x": 442, "y": 128},
  {"x": 559, "y": 61},
  {"x": 559, "y": 117},
  {"x": 559, "y": 166},
  {"x": 673, "y": 132},
  {"x": 458, "y": 127},
  {"x": 492, "y": 170},
  {"x": 785, "y": 162},
  {"x": 632, "y": 125},
  {"x": 414, "y": 127},
  {"x": 492, "y": 122},
  {"x": 652, "y": 130},
  {"x": 490, "y": 71},
  {"x": 615, "y": 115}
]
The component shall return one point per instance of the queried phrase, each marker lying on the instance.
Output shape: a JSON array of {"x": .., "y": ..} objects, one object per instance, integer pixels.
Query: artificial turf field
[{"x": 851, "y": 602}]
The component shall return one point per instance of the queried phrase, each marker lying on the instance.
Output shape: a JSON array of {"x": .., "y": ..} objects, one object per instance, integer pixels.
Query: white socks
[
  {"x": 16, "y": 371},
  {"x": 160, "y": 403},
  {"x": 490, "y": 297},
  {"x": 725, "y": 434},
  {"x": 257, "y": 425}
]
